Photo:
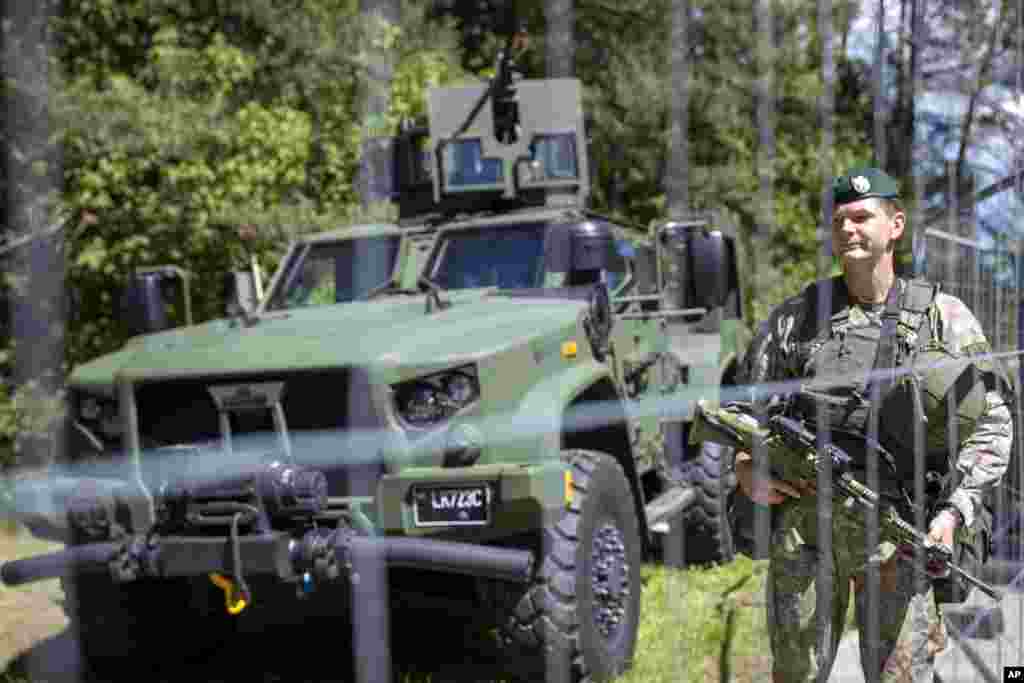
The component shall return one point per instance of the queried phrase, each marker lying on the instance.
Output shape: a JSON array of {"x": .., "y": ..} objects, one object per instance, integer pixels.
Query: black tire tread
[
  {"x": 547, "y": 614},
  {"x": 709, "y": 537}
]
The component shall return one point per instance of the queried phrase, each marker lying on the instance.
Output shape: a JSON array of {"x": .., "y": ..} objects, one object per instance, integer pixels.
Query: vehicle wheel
[
  {"x": 580, "y": 618},
  {"x": 142, "y": 621},
  {"x": 708, "y": 530}
]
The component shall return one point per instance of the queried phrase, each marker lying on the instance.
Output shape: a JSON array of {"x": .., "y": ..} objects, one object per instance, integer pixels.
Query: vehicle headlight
[
  {"x": 100, "y": 415},
  {"x": 428, "y": 401},
  {"x": 460, "y": 388}
]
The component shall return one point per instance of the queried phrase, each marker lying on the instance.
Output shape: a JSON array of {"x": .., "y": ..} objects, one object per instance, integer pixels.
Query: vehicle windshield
[
  {"x": 335, "y": 272},
  {"x": 506, "y": 256}
]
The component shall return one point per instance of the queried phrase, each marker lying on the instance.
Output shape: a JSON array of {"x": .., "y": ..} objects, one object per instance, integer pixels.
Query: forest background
[{"x": 146, "y": 132}]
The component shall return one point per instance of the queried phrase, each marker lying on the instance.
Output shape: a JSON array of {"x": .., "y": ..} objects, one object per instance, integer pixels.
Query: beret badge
[{"x": 860, "y": 184}]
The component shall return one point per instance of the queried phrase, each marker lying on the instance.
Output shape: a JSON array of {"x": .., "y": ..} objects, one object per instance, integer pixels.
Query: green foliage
[
  {"x": 199, "y": 119},
  {"x": 248, "y": 116},
  {"x": 700, "y": 623},
  {"x": 177, "y": 123},
  {"x": 29, "y": 414}
]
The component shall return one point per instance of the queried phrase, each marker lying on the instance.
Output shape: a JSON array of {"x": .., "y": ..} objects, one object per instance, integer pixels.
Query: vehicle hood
[{"x": 393, "y": 332}]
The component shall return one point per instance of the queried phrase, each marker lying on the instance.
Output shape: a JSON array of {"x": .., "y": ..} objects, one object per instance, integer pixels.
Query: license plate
[{"x": 452, "y": 505}]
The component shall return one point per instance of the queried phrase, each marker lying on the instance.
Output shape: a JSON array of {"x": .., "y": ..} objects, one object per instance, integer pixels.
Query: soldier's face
[{"x": 863, "y": 231}]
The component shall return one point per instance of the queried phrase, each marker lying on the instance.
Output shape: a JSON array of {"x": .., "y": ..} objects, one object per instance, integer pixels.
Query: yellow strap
[{"x": 233, "y": 600}]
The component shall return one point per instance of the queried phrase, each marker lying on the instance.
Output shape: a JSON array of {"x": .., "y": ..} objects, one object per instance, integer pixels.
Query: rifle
[{"x": 793, "y": 454}]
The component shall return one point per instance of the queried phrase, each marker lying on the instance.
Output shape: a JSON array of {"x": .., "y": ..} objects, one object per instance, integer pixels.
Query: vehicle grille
[{"x": 328, "y": 413}]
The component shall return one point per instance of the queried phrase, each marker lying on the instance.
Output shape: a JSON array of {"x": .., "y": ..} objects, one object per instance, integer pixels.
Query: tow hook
[{"x": 235, "y": 600}]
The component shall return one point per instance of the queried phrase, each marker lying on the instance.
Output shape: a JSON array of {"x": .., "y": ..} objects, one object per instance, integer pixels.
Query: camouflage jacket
[{"x": 776, "y": 355}]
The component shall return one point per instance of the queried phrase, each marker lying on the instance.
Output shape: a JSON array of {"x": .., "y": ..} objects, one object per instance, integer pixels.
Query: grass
[{"x": 703, "y": 624}]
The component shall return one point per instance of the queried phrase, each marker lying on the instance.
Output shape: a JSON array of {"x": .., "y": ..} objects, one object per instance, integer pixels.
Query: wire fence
[{"x": 987, "y": 279}]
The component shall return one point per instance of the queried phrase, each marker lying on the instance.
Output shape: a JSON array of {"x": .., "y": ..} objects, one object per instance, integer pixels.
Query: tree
[
  {"x": 32, "y": 282},
  {"x": 177, "y": 121}
]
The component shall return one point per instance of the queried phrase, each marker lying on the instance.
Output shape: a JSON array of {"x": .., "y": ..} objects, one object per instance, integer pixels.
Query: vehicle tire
[
  {"x": 708, "y": 530},
  {"x": 143, "y": 621},
  {"x": 579, "y": 620}
]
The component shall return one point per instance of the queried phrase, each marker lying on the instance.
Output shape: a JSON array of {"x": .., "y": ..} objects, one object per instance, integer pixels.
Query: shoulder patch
[{"x": 959, "y": 327}]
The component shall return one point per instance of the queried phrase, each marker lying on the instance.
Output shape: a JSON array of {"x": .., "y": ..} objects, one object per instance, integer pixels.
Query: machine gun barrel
[{"x": 793, "y": 453}]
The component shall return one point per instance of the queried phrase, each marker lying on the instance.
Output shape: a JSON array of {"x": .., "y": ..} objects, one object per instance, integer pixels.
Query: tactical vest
[{"x": 849, "y": 372}]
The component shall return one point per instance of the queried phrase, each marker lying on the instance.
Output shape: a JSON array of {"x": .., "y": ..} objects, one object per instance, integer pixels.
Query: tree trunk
[
  {"x": 560, "y": 38},
  {"x": 677, "y": 172}
]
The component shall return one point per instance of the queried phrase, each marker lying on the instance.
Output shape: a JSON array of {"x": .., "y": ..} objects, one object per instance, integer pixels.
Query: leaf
[{"x": 92, "y": 255}]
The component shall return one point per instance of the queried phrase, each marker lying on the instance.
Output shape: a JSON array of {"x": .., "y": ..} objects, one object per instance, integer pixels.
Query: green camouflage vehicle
[{"x": 502, "y": 433}]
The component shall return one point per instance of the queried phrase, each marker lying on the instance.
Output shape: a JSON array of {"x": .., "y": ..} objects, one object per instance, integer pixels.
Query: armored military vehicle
[{"x": 503, "y": 434}]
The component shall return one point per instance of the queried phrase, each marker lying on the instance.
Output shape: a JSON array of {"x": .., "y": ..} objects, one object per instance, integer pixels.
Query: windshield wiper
[
  {"x": 433, "y": 293},
  {"x": 390, "y": 287}
]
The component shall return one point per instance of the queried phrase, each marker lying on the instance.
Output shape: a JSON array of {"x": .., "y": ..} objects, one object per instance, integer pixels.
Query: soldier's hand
[
  {"x": 940, "y": 533},
  {"x": 766, "y": 491},
  {"x": 941, "y": 529}
]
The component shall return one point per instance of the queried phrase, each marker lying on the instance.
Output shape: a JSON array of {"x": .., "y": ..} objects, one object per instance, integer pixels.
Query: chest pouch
[
  {"x": 838, "y": 388},
  {"x": 949, "y": 393}
]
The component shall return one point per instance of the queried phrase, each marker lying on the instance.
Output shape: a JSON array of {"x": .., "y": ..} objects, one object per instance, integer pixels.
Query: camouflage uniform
[{"x": 910, "y": 631}]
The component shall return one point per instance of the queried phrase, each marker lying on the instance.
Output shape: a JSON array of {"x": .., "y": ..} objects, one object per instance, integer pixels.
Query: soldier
[{"x": 876, "y": 323}]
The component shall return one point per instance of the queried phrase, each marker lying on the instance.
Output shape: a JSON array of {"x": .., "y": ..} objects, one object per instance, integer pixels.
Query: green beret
[{"x": 861, "y": 183}]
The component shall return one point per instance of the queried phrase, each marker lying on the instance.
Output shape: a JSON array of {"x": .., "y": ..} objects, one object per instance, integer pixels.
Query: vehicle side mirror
[
  {"x": 595, "y": 252},
  {"x": 675, "y": 245},
  {"x": 156, "y": 298},
  {"x": 645, "y": 269},
  {"x": 143, "y": 305},
  {"x": 645, "y": 274},
  {"x": 696, "y": 265},
  {"x": 240, "y": 293},
  {"x": 709, "y": 269}
]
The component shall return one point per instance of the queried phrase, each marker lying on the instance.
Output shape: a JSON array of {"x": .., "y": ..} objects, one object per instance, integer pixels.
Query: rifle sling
[{"x": 881, "y": 379}]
